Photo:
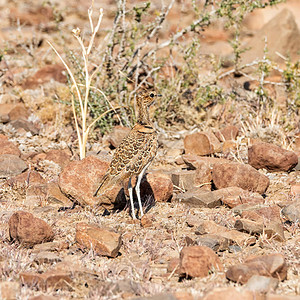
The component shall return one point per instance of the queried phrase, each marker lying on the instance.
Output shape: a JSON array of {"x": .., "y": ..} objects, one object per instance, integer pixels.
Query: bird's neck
[{"x": 143, "y": 115}]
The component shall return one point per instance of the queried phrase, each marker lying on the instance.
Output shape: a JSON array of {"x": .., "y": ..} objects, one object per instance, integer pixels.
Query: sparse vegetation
[{"x": 192, "y": 53}]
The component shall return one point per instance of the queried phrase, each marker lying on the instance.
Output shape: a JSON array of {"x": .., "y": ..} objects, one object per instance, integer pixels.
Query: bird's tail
[{"x": 105, "y": 182}]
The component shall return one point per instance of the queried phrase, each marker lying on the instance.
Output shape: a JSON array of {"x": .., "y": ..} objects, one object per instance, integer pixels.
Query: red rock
[
  {"x": 79, "y": 181},
  {"x": 210, "y": 227},
  {"x": 262, "y": 214},
  {"x": 8, "y": 147},
  {"x": 229, "y": 293},
  {"x": 272, "y": 265},
  {"x": 117, "y": 135},
  {"x": 240, "y": 175},
  {"x": 157, "y": 185},
  {"x": 49, "y": 279},
  {"x": 29, "y": 230},
  {"x": 173, "y": 265},
  {"x": 229, "y": 132},
  {"x": 147, "y": 221},
  {"x": 228, "y": 146},
  {"x": 45, "y": 74},
  {"x": 201, "y": 143},
  {"x": 18, "y": 112},
  {"x": 26, "y": 179},
  {"x": 43, "y": 297},
  {"x": 11, "y": 165},
  {"x": 182, "y": 295},
  {"x": 233, "y": 201},
  {"x": 102, "y": 241},
  {"x": 59, "y": 156},
  {"x": 271, "y": 157},
  {"x": 39, "y": 16},
  {"x": 194, "y": 161},
  {"x": 295, "y": 190},
  {"x": 199, "y": 261}
]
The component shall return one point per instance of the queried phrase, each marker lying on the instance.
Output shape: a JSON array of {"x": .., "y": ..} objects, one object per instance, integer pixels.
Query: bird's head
[{"x": 147, "y": 97}]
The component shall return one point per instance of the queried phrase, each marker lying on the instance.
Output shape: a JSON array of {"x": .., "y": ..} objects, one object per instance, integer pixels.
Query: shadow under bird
[{"x": 135, "y": 153}]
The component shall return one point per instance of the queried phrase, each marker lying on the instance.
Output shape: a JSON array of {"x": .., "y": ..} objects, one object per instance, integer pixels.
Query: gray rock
[
  {"x": 200, "y": 199},
  {"x": 11, "y": 165},
  {"x": 262, "y": 284},
  {"x": 292, "y": 211}
]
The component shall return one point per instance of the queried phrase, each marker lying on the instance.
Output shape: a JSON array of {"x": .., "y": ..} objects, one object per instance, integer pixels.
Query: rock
[
  {"x": 234, "y": 196},
  {"x": 43, "y": 297},
  {"x": 271, "y": 229},
  {"x": 47, "y": 257},
  {"x": 260, "y": 213},
  {"x": 240, "y": 175},
  {"x": 292, "y": 211},
  {"x": 50, "y": 279},
  {"x": 157, "y": 185},
  {"x": 55, "y": 196},
  {"x": 18, "y": 112},
  {"x": 228, "y": 133},
  {"x": 295, "y": 190},
  {"x": 195, "y": 162},
  {"x": 11, "y": 165},
  {"x": 271, "y": 157},
  {"x": 38, "y": 194},
  {"x": 59, "y": 156},
  {"x": 229, "y": 293},
  {"x": 199, "y": 198},
  {"x": 234, "y": 236},
  {"x": 33, "y": 16},
  {"x": 157, "y": 297},
  {"x": 26, "y": 179},
  {"x": 117, "y": 135},
  {"x": 184, "y": 179},
  {"x": 233, "y": 201},
  {"x": 213, "y": 241},
  {"x": 272, "y": 265},
  {"x": 79, "y": 181},
  {"x": 8, "y": 147},
  {"x": 9, "y": 290},
  {"x": 173, "y": 265},
  {"x": 50, "y": 72},
  {"x": 102, "y": 241},
  {"x": 25, "y": 125},
  {"x": 201, "y": 143},
  {"x": 282, "y": 36},
  {"x": 228, "y": 146},
  {"x": 5, "y": 108},
  {"x": 29, "y": 230},
  {"x": 54, "y": 246},
  {"x": 147, "y": 220},
  {"x": 199, "y": 261},
  {"x": 262, "y": 284},
  {"x": 183, "y": 295}
]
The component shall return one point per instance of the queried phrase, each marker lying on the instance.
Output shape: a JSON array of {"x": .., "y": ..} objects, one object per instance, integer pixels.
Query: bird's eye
[{"x": 151, "y": 95}]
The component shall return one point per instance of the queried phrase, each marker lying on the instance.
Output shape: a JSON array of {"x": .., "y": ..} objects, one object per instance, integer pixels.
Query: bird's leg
[
  {"x": 137, "y": 189},
  {"x": 131, "y": 198}
]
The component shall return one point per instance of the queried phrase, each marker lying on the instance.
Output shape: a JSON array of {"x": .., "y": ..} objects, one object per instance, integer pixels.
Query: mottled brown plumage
[{"x": 135, "y": 153}]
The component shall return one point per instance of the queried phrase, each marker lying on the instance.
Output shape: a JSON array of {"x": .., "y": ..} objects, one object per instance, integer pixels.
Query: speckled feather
[{"x": 135, "y": 152}]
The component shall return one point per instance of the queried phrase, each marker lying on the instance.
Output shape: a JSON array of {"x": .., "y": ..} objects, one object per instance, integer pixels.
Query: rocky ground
[{"x": 222, "y": 198}]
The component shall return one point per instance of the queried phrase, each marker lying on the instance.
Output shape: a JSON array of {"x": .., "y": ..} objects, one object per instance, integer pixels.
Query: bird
[{"x": 135, "y": 153}]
